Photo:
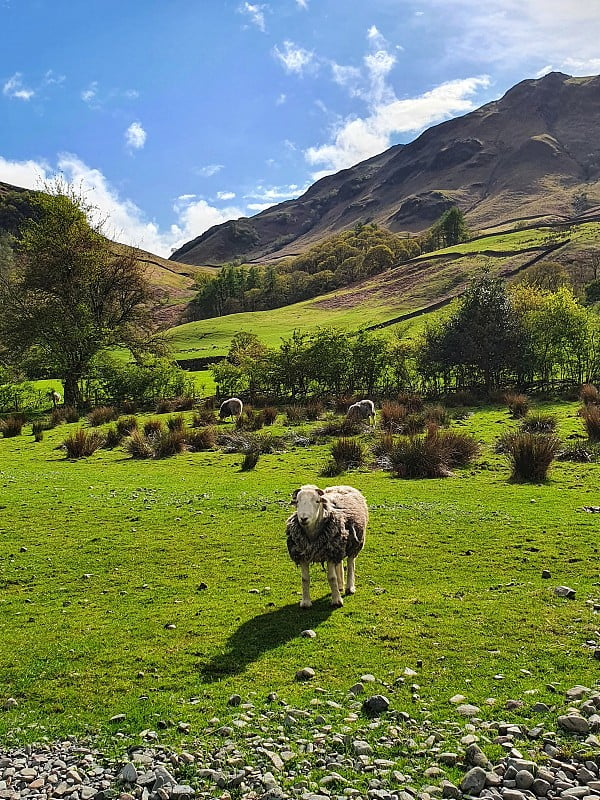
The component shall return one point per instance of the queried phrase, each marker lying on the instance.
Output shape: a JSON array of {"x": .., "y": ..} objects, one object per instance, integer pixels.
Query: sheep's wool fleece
[{"x": 337, "y": 538}]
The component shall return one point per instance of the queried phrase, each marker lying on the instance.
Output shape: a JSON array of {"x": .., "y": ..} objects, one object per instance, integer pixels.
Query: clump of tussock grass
[
  {"x": 169, "y": 443},
  {"x": 164, "y": 405},
  {"x": 176, "y": 423},
  {"x": 436, "y": 415},
  {"x": 339, "y": 427},
  {"x": 12, "y": 425},
  {"x": 392, "y": 416},
  {"x": 589, "y": 394},
  {"x": 39, "y": 427},
  {"x": 420, "y": 457},
  {"x": 129, "y": 407},
  {"x": 250, "y": 420},
  {"x": 269, "y": 415},
  {"x": 203, "y": 416},
  {"x": 185, "y": 402},
  {"x": 112, "y": 437},
  {"x": 591, "y": 420},
  {"x": 579, "y": 452},
  {"x": 82, "y": 443},
  {"x": 67, "y": 414},
  {"x": 295, "y": 414},
  {"x": 412, "y": 401},
  {"x": 331, "y": 469},
  {"x": 201, "y": 438},
  {"x": 153, "y": 427},
  {"x": 101, "y": 415},
  {"x": 139, "y": 445},
  {"x": 250, "y": 460},
  {"x": 347, "y": 453},
  {"x": 462, "y": 397},
  {"x": 518, "y": 404},
  {"x": 530, "y": 455},
  {"x": 537, "y": 422},
  {"x": 126, "y": 425},
  {"x": 460, "y": 448}
]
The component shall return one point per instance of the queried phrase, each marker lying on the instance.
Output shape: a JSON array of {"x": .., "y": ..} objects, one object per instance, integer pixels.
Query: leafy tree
[
  {"x": 68, "y": 296},
  {"x": 592, "y": 292}
]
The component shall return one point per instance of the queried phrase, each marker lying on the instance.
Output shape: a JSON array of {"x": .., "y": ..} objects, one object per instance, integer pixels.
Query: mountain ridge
[{"x": 525, "y": 154}]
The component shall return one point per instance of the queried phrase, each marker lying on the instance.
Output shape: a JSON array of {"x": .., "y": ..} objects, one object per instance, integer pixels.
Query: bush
[
  {"x": 582, "y": 453},
  {"x": 203, "y": 416},
  {"x": 539, "y": 423},
  {"x": 591, "y": 420},
  {"x": 153, "y": 427},
  {"x": 63, "y": 414},
  {"x": 250, "y": 460},
  {"x": 420, "y": 457},
  {"x": 112, "y": 437},
  {"x": 250, "y": 420},
  {"x": 184, "y": 402},
  {"x": 201, "y": 438},
  {"x": 518, "y": 404},
  {"x": 530, "y": 454},
  {"x": 138, "y": 445},
  {"x": 268, "y": 443},
  {"x": 176, "y": 423},
  {"x": 82, "y": 443},
  {"x": 12, "y": 425},
  {"x": 437, "y": 415},
  {"x": 347, "y": 453},
  {"x": 413, "y": 424},
  {"x": 101, "y": 415},
  {"x": 269, "y": 415},
  {"x": 339, "y": 427},
  {"x": 461, "y": 397},
  {"x": 332, "y": 469},
  {"x": 127, "y": 425},
  {"x": 343, "y": 402},
  {"x": 129, "y": 407},
  {"x": 295, "y": 414},
  {"x": 314, "y": 409},
  {"x": 589, "y": 394}
]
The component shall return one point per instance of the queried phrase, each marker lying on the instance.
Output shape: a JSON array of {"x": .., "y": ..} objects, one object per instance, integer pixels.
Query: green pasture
[{"x": 100, "y": 557}]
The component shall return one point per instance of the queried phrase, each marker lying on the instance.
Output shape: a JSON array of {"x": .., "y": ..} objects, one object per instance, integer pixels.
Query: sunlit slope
[{"x": 407, "y": 292}]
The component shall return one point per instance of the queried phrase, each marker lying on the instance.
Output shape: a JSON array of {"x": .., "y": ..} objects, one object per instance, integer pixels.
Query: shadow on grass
[{"x": 262, "y": 633}]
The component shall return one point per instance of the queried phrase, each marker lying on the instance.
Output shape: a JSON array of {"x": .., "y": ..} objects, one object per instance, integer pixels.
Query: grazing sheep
[
  {"x": 364, "y": 409},
  {"x": 231, "y": 408},
  {"x": 327, "y": 526},
  {"x": 54, "y": 396}
]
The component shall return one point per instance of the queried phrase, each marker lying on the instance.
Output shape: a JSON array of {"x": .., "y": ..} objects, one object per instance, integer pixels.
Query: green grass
[{"x": 97, "y": 556}]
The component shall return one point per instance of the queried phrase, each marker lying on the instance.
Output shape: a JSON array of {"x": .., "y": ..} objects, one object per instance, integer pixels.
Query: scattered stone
[
  {"x": 473, "y": 782},
  {"x": 234, "y": 700},
  {"x": 565, "y": 591},
  {"x": 128, "y": 774},
  {"x": 468, "y": 710},
  {"x": 117, "y": 718},
  {"x": 574, "y": 723},
  {"x": 305, "y": 674},
  {"x": 457, "y": 698},
  {"x": 309, "y": 634},
  {"x": 576, "y": 692},
  {"x": 10, "y": 703},
  {"x": 375, "y": 705},
  {"x": 546, "y": 573}
]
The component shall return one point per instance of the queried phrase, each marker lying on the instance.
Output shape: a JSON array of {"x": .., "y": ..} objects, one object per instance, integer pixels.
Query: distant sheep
[
  {"x": 55, "y": 397},
  {"x": 327, "y": 526},
  {"x": 364, "y": 409},
  {"x": 232, "y": 407}
]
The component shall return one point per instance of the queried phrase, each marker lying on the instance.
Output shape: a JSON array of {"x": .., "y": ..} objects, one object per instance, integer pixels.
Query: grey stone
[
  {"x": 576, "y": 692},
  {"x": 305, "y": 674},
  {"x": 564, "y": 591},
  {"x": 375, "y": 705},
  {"x": 128, "y": 774},
  {"x": 234, "y": 700},
  {"x": 449, "y": 790},
  {"x": 540, "y": 788},
  {"x": 468, "y": 710},
  {"x": 473, "y": 782},
  {"x": 523, "y": 779},
  {"x": 574, "y": 723},
  {"x": 308, "y": 634}
]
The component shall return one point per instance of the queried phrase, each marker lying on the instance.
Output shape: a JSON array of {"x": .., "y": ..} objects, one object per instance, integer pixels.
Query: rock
[
  {"x": 565, "y": 591},
  {"x": 473, "y": 782},
  {"x": 576, "y": 692},
  {"x": 362, "y": 748},
  {"x": 523, "y": 779},
  {"x": 574, "y": 723},
  {"x": 128, "y": 774},
  {"x": 358, "y": 688},
  {"x": 468, "y": 710},
  {"x": 540, "y": 788},
  {"x": 448, "y": 759},
  {"x": 234, "y": 700},
  {"x": 449, "y": 790},
  {"x": 540, "y": 708},
  {"x": 308, "y": 634},
  {"x": 546, "y": 573},
  {"x": 475, "y": 757},
  {"x": 10, "y": 703},
  {"x": 375, "y": 705},
  {"x": 457, "y": 698},
  {"x": 305, "y": 674}
]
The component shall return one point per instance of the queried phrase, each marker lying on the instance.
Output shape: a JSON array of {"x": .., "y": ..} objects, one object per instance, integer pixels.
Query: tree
[{"x": 69, "y": 295}]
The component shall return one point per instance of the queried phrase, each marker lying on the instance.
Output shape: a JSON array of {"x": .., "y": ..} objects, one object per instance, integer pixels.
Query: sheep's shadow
[{"x": 262, "y": 633}]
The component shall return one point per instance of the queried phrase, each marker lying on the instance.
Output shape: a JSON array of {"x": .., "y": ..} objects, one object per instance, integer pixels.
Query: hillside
[
  {"x": 525, "y": 156},
  {"x": 407, "y": 293},
  {"x": 175, "y": 280}
]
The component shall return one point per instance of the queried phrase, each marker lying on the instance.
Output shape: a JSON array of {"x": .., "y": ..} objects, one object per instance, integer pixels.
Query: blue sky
[{"x": 175, "y": 115}]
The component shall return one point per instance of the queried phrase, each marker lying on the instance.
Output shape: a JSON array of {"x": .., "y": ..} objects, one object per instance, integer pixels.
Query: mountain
[{"x": 525, "y": 156}]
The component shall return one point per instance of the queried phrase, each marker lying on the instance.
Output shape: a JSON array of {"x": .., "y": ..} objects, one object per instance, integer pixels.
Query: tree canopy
[{"x": 66, "y": 296}]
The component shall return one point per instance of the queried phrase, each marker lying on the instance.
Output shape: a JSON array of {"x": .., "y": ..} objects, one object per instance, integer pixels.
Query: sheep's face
[{"x": 310, "y": 504}]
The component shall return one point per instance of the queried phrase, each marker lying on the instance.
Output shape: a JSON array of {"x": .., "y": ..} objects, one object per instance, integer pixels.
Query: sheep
[
  {"x": 54, "y": 396},
  {"x": 327, "y": 526},
  {"x": 231, "y": 408},
  {"x": 364, "y": 409}
]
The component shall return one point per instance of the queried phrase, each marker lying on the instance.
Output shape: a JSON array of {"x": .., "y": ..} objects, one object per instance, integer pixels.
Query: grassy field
[{"x": 157, "y": 589}]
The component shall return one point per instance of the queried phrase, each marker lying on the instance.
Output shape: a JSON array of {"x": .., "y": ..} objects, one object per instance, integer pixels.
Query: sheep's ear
[
  {"x": 294, "y": 496},
  {"x": 320, "y": 492}
]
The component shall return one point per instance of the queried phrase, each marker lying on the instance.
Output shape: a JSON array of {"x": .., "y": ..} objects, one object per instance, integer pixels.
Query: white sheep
[
  {"x": 54, "y": 396},
  {"x": 364, "y": 409},
  {"x": 231, "y": 408},
  {"x": 327, "y": 526}
]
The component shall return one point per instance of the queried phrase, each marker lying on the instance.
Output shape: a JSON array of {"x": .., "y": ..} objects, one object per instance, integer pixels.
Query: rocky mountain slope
[{"x": 527, "y": 155}]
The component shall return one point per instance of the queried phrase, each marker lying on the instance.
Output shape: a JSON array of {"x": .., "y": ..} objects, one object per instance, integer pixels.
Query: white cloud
[
  {"x": 126, "y": 221},
  {"x": 135, "y": 136},
  {"x": 281, "y": 99},
  {"x": 89, "y": 95},
  {"x": 520, "y": 32},
  {"x": 302, "y": 4},
  {"x": 274, "y": 194},
  {"x": 96, "y": 99},
  {"x": 225, "y": 195},
  {"x": 356, "y": 139},
  {"x": 294, "y": 58},
  {"x": 14, "y": 88},
  {"x": 258, "y": 207},
  {"x": 208, "y": 170},
  {"x": 255, "y": 13}
]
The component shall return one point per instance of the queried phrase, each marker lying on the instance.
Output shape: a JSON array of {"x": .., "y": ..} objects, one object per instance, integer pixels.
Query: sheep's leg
[
  {"x": 350, "y": 587},
  {"x": 340, "y": 575},
  {"x": 305, "y": 602},
  {"x": 336, "y": 597}
]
